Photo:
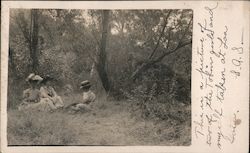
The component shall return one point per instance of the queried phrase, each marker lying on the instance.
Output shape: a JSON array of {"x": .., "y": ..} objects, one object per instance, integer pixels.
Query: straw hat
[
  {"x": 85, "y": 84},
  {"x": 34, "y": 77}
]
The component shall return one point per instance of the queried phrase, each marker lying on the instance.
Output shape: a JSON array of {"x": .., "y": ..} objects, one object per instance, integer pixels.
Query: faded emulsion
[{"x": 86, "y": 77}]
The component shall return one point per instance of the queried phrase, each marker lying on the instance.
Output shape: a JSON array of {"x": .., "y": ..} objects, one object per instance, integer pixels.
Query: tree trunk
[
  {"x": 34, "y": 30},
  {"x": 101, "y": 62},
  {"x": 11, "y": 58}
]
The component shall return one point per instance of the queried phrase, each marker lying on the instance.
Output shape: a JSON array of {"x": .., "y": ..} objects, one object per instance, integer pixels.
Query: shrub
[{"x": 160, "y": 93}]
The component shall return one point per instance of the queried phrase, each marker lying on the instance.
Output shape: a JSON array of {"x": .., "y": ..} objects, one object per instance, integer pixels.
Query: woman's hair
[
  {"x": 87, "y": 87},
  {"x": 33, "y": 81},
  {"x": 46, "y": 79}
]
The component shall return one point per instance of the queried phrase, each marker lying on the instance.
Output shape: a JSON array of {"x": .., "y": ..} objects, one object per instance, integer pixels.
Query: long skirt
[
  {"x": 57, "y": 101},
  {"x": 53, "y": 103},
  {"x": 45, "y": 104}
]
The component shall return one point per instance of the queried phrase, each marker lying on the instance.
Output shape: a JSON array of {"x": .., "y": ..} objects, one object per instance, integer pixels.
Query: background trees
[
  {"x": 141, "y": 59},
  {"x": 126, "y": 50}
]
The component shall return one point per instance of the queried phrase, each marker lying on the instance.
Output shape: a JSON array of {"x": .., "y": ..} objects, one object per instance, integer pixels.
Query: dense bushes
[
  {"x": 68, "y": 45},
  {"x": 161, "y": 93}
]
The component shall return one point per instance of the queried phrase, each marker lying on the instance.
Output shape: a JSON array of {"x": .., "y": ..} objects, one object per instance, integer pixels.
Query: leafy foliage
[
  {"x": 152, "y": 45},
  {"x": 148, "y": 66}
]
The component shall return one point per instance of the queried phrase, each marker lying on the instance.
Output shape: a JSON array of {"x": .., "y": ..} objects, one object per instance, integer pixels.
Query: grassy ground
[{"x": 110, "y": 123}]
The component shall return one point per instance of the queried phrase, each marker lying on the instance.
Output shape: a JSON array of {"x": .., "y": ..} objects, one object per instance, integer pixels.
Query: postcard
[{"x": 125, "y": 76}]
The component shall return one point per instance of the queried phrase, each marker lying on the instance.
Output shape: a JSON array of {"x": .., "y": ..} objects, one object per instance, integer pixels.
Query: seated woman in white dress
[
  {"x": 49, "y": 95},
  {"x": 31, "y": 96},
  {"x": 88, "y": 97},
  {"x": 33, "y": 99}
]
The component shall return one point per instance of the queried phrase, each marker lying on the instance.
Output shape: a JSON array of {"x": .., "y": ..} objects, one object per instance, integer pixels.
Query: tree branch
[
  {"x": 161, "y": 35},
  {"x": 180, "y": 43},
  {"x": 169, "y": 39},
  {"x": 174, "y": 50},
  {"x": 151, "y": 62},
  {"x": 148, "y": 64}
]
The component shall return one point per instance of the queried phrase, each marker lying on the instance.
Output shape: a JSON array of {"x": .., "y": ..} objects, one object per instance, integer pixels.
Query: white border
[{"x": 194, "y": 5}]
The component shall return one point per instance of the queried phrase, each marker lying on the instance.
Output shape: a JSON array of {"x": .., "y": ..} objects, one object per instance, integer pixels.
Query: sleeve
[
  {"x": 26, "y": 94},
  {"x": 43, "y": 93},
  {"x": 84, "y": 98},
  {"x": 53, "y": 91},
  {"x": 89, "y": 98},
  {"x": 93, "y": 97}
]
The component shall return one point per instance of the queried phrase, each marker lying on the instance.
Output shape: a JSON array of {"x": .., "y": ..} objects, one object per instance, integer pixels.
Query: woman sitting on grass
[
  {"x": 44, "y": 99},
  {"x": 31, "y": 96},
  {"x": 49, "y": 95},
  {"x": 88, "y": 98}
]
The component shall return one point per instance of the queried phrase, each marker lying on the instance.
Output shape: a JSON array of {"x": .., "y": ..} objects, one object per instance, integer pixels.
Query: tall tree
[
  {"x": 101, "y": 62},
  {"x": 34, "y": 29},
  {"x": 30, "y": 32}
]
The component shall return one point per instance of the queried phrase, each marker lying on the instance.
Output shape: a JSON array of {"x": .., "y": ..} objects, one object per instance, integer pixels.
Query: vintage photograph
[{"x": 89, "y": 77}]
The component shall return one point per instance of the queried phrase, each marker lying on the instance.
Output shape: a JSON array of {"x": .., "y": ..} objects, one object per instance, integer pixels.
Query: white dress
[
  {"x": 49, "y": 96},
  {"x": 35, "y": 100}
]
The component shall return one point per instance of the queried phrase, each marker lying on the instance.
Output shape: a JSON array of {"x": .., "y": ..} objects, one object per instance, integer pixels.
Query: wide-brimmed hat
[
  {"x": 85, "y": 84},
  {"x": 34, "y": 77}
]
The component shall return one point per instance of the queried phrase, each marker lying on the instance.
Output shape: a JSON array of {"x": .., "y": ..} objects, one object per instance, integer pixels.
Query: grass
[
  {"x": 33, "y": 128},
  {"x": 110, "y": 123}
]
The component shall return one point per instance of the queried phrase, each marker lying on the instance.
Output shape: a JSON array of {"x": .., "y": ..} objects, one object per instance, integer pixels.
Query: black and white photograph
[{"x": 99, "y": 77}]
